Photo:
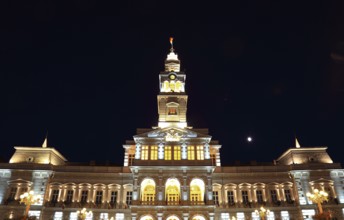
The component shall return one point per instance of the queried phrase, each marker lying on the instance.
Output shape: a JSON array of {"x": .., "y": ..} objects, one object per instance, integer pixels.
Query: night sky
[{"x": 86, "y": 72}]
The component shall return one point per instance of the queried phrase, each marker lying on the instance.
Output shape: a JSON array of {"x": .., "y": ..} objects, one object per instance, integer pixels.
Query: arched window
[
  {"x": 198, "y": 217},
  {"x": 166, "y": 86},
  {"x": 172, "y": 191},
  {"x": 197, "y": 189},
  {"x": 172, "y": 86},
  {"x": 178, "y": 86},
  {"x": 173, "y": 217},
  {"x": 146, "y": 217},
  {"x": 148, "y": 191}
]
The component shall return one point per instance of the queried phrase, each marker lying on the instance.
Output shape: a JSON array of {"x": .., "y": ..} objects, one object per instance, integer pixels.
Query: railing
[{"x": 88, "y": 205}]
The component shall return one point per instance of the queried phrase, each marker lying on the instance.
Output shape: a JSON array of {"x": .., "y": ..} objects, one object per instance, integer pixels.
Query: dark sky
[{"x": 87, "y": 72}]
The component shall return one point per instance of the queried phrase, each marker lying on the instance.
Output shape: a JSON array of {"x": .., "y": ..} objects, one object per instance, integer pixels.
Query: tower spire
[
  {"x": 45, "y": 143},
  {"x": 172, "y": 100},
  {"x": 171, "y": 42}
]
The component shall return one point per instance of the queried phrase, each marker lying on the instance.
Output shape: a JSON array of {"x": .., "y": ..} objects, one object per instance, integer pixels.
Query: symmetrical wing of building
[{"x": 170, "y": 172}]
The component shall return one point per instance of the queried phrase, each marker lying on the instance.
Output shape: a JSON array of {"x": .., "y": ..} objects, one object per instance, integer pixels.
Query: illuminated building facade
[{"x": 170, "y": 172}]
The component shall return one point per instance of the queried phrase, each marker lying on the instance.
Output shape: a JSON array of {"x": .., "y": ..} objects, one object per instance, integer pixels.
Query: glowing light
[
  {"x": 84, "y": 213},
  {"x": 249, "y": 139}
]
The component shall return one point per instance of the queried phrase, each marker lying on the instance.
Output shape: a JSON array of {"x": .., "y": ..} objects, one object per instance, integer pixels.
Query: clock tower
[{"x": 172, "y": 99}]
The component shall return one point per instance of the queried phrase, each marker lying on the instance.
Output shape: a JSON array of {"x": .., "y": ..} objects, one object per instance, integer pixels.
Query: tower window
[{"x": 172, "y": 111}]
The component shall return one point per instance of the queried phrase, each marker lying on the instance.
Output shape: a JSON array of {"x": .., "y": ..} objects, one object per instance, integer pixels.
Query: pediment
[{"x": 172, "y": 134}]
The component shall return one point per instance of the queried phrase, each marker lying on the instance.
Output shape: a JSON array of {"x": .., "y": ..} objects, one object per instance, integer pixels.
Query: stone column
[
  {"x": 184, "y": 151},
  {"x": 211, "y": 216},
  {"x": 138, "y": 151},
  {"x": 185, "y": 216},
  {"x": 206, "y": 151},
  {"x": 209, "y": 190},
  {"x": 160, "y": 216},
  {"x": 161, "y": 151}
]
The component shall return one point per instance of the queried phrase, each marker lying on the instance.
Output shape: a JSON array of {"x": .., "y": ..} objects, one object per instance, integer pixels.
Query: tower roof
[{"x": 172, "y": 63}]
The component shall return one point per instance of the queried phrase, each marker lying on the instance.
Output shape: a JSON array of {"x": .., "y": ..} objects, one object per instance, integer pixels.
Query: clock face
[{"x": 172, "y": 76}]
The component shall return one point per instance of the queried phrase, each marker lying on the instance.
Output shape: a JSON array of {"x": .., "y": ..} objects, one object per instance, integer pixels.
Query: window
[
  {"x": 168, "y": 153},
  {"x": 144, "y": 152},
  {"x": 287, "y": 195},
  {"x": 172, "y": 111},
  {"x": 69, "y": 196},
  {"x": 255, "y": 216},
  {"x": 176, "y": 153},
  {"x": 270, "y": 216},
  {"x": 55, "y": 195},
  {"x": 119, "y": 216},
  {"x": 273, "y": 195},
  {"x": 113, "y": 198},
  {"x": 23, "y": 190},
  {"x": 200, "y": 153},
  {"x": 99, "y": 197},
  {"x": 13, "y": 193},
  {"x": 73, "y": 216},
  {"x": 154, "y": 152},
  {"x": 34, "y": 213},
  {"x": 285, "y": 215},
  {"x": 129, "y": 197},
  {"x": 104, "y": 216},
  {"x": 213, "y": 159},
  {"x": 244, "y": 195},
  {"x": 308, "y": 214},
  {"x": 58, "y": 215},
  {"x": 240, "y": 216},
  {"x": 216, "y": 197},
  {"x": 259, "y": 194},
  {"x": 191, "y": 152},
  {"x": 131, "y": 158},
  {"x": 84, "y": 195},
  {"x": 224, "y": 216},
  {"x": 230, "y": 197}
]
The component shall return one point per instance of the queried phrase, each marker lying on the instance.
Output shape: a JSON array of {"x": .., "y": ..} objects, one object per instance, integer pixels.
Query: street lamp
[
  {"x": 262, "y": 212},
  {"x": 319, "y": 197},
  {"x": 29, "y": 199},
  {"x": 83, "y": 214}
]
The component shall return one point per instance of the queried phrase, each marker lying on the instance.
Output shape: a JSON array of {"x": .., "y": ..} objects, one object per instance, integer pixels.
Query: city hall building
[{"x": 171, "y": 172}]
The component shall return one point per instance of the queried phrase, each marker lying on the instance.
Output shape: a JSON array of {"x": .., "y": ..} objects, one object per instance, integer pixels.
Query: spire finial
[
  {"x": 297, "y": 144},
  {"x": 45, "y": 143},
  {"x": 171, "y": 42}
]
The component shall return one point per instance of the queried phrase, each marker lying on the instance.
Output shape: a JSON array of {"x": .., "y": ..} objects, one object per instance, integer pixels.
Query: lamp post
[
  {"x": 29, "y": 199},
  {"x": 262, "y": 212},
  {"x": 83, "y": 214},
  {"x": 319, "y": 197}
]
